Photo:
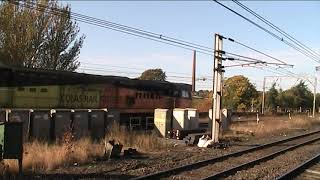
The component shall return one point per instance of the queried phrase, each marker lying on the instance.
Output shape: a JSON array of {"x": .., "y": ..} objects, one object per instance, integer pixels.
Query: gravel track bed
[
  {"x": 151, "y": 164},
  {"x": 279, "y": 165},
  {"x": 184, "y": 158},
  {"x": 199, "y": 154},
  {"x": 174, "y": 157},
  {"x": 309, "y": 175},
  {"x": 234, "y": 161}
]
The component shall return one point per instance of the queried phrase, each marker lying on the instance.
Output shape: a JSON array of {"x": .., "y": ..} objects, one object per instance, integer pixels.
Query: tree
[
  {"x": 204, "y": 93},
  {"x": 272, "y": 97},
  {"x": 202, "y": 101},
  {"x": 286, "y": 99},
  {"x": 238, "y": 93},
  {"x": 153, "y": 74},
  {"x": 296, "y": 97},
  {"x": 302, "y": 95},
  {"x": 38, "y": 39}
]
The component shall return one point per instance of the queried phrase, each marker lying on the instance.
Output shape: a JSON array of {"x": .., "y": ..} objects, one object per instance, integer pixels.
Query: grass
[
  {"x": 142, "y": 141},
  {"x": 270, "y": 125},
  {"x": 43, "y": 157}
]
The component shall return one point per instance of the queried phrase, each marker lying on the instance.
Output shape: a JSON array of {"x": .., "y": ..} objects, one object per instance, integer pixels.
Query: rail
[
  {"x": 299, "y": 169},
  {"x": 199, "y": 164},
  {"x": 243, "y": 166}
]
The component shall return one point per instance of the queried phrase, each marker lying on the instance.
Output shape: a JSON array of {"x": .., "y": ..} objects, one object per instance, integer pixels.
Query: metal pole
[
  {"x": 217, "y": 78},
  {"x": 314, "y": 97},
  {"x": 263, "y": 95},
  {"x": 251, "y": 105},
  {"x": 194, "y": 72},
  {"x": 7, "y": 118}
]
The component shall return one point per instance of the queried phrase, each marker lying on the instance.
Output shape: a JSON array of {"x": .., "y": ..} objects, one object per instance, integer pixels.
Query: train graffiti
[
  {"x": 88, "y": 96},
  {"x": 132, "y": 100}
]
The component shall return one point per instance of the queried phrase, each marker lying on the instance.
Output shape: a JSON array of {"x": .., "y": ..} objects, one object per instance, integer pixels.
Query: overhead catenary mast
[
  {"x": 217, "y": 88},
  {"x": 194, "y": 72}
]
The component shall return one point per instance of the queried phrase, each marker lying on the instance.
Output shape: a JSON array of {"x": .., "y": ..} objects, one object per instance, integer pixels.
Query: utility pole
[
  {"x": 314, "y": 96},
  {"x": 217, "y": 88},
  {"x": 251, "y": 105},
  {"x": 194, "y": 72},
  {"x": 315, "y": 90},
  {"x": 263, "y": 95}
]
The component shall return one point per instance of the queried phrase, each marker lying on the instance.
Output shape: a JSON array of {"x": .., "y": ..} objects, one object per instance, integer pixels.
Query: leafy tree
[
  {"x": 32, "y": 38},
  {"x": 302, "y": 95},
  {"x": 202, "y": 104},
  {"x": 202, "y": 101},
  {"x": 153, "y": 74},
  {"x": 296, "y": 97},
  {"x": 238, "y": 93},
  {"x": 204, "y": 93},
  {"x": 272, "y": 97}
]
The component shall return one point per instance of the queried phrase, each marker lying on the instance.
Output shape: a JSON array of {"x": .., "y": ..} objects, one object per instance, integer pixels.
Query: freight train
[{"x": 132, "y": 101}]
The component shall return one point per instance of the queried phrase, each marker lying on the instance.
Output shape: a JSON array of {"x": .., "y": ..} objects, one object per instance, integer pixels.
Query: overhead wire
[
  {"x": 273, "y": 26},
  {"x": 250, "y": 59},
  {"x": 134, "y": 73},
  {"x": 125, "y": 29},
  {"x": 130, "y": 68},
  {"x": 253, "y": 49},
  {"x": 269, "y": 32},
  {"x": 289, "y": 73},
  {"x": 125, "y": 72}
]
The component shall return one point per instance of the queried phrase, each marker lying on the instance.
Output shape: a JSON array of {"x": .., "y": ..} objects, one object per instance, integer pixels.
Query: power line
[
  {"x": 250, "y": 59},
  {"x": 291, "y": 74},
  {"x": 135, "y": 32},
  {"x": 125, "y": 72},
  {"x": 132, "y": 73},
  {"x": 126, "y": 29},
  {"x": 237, "y": 42},
  {"x": 294, "y": 40},
  {"x": 132, "y": 68},
  {"x": 271, "y": 33}
]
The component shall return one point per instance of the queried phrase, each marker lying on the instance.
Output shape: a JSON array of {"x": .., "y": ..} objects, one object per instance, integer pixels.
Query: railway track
[
  {"x": 307, "y": 170},
  {"x": 236, "y": 161}
]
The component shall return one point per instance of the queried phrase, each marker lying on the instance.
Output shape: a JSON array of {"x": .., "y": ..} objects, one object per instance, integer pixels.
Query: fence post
[
  {"x": 52, "y": 124},
  {"x": 30, "y": 125}
]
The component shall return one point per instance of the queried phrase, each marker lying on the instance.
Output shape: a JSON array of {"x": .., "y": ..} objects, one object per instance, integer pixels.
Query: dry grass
[
  {"x": 142, "y": 141},
  {"x": 42, "y": 157},
  {"x": 270, "y": 125}
]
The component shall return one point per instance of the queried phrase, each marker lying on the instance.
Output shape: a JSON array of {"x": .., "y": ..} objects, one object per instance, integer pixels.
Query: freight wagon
[{"x": 131, "y": 100}]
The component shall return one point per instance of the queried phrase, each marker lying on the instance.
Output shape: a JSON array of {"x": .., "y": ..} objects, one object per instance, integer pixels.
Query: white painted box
[
  {"x": 162, "y": 121},
  {"x": 180, "y": 119}
]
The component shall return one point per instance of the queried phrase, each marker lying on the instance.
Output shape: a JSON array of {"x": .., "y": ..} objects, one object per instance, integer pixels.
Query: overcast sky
[{"x": 114, "y": 53}]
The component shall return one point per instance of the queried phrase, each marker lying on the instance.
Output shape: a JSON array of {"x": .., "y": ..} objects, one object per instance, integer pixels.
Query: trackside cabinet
[{"x": 11, "y": 141}]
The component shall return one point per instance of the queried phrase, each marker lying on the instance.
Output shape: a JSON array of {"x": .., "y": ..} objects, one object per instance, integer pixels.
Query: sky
[{"x": 113, "y": 53}]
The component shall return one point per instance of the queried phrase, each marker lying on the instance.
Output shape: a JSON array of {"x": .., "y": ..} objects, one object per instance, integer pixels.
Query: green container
[{"x": 11, "y": 140}]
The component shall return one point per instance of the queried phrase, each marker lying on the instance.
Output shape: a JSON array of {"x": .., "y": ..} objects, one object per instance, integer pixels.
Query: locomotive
[{"x": 131, "y": 101}]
